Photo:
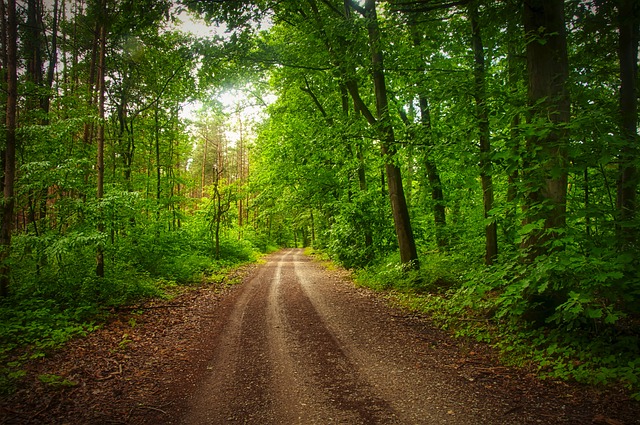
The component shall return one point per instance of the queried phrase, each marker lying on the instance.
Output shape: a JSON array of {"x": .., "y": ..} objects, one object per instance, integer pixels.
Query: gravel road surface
[{"x": 300, "y": 347}]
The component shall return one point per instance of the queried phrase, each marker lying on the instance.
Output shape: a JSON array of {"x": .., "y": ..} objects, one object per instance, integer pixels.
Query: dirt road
[
  {"x": 300, "y": 348},
  {"x": 293, "y": 344}
]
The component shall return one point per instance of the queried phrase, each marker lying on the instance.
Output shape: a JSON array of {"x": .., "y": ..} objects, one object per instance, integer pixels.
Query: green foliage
[
  {"x": 56, "y": 381},
  {"x": 41, "y": 323},
  {"x": 438, "y": 273},
  {"x": 565, "y": 313}
]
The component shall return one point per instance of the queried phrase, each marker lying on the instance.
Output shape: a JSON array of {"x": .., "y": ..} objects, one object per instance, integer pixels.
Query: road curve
[{"x": 300, "y": 347}]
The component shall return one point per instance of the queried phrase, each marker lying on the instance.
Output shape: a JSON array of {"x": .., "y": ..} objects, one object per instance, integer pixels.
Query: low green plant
[
  {"x": 56, "y": 381},
  {"x": 586, "y": 336}
]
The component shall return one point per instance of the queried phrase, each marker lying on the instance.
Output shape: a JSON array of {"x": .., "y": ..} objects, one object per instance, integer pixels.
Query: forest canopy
[{"x": 478, "y": 157}]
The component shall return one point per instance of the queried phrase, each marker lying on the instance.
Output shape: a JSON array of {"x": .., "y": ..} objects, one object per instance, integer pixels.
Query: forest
[{"x": 477, "y": 160}]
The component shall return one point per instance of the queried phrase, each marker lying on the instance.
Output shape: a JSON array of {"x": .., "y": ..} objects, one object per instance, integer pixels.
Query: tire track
[{"x": 296, "y": 348}]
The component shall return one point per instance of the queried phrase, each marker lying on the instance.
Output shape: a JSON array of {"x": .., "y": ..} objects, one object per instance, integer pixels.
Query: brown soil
[{"x": 293, "y": 344}]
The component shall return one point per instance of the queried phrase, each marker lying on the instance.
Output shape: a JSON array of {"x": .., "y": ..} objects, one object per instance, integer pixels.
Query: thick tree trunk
[
  {"x": 628, "y": 176},
  {"x": 10, "y": 147},
  {"x": 404, "y": 233},
  {"x": 482, "y": 116},
  {"x": 549, "y": 103}
]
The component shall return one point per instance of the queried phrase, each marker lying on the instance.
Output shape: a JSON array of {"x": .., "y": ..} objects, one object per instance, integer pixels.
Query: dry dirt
[{"x": 293, "y": 344}]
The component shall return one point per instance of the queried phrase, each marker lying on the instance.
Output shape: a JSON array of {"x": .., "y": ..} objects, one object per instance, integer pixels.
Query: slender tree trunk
[
  {"x": 204, "y": 166},
  {"x": 53, "y": 60},
  {"x": 587, "y": 204},
  {"x": 10, "y": 147},
  {"x": 549, "y": 103},
  {"x": 100, "y": 138},
  {"x": 33, "y": 49},
  {"x": 218, "y": 201},
  {"x": 628, "y": 175},
  {"x": 95, "y": 52},
  {"x": 515, "y": 67},
  {"x": 4, "y": 91},
  {"x": 361, "y": 171},
  {"x": 433, "y": 176},
  {"x": 158, "y": 167},
  {"x": 404, "y": 233},
  {"x": 482, "y": 116}
]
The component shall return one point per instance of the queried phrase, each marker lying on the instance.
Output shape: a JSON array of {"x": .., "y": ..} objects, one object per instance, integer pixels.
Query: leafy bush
[
  {"x": 588, "y": 335},
  {"x": 438, "y": 272}
]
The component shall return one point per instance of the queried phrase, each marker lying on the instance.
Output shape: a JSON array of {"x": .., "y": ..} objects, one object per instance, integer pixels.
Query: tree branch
[
  {"x": 424, "y": 6},
  {"x": 355, "y": 6},
  {"x": 313, "y": 96}
]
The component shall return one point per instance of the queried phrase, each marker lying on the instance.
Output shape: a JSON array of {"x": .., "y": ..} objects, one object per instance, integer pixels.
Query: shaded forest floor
[{"x": 141, "y": 367}]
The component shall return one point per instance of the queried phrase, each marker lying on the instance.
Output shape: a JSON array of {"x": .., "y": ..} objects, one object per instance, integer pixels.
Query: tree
[
  {"x": 482, "y": 116},
  {"x": 102, "y": 53},
  {"x": 628, "y": 174},
  {"x": 404, "y": 232},
  {"x": 549, "y": 103},
  {"x": 8, "y": 200}
]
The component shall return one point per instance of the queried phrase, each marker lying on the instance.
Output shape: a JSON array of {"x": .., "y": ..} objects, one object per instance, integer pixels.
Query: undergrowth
[
  {"x": 55, "y": 295},
  {"x": 584, "y": 337}
]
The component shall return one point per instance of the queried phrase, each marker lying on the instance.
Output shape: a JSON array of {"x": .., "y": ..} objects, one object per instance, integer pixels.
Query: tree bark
[
  {"x": 482, "y": 117},
  {"x": 435, "y": 183},
  {"x": 10, "y": 147},
  {"x": 628, "y": 174},
  {"x": 53, "y": 60},
  {"x": 549, "y": 104},
  {"x": 3, "y": 81},
  {"x": 515, "y": 68}
]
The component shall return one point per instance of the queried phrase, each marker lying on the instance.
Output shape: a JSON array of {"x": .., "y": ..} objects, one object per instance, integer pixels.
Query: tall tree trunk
[
  {"x": 33, "y": 49},
  {"x": 240, "y": 171},
  {"x": 361, "y": 171},
  {"x": 100, "y": 138},
  {"x": 204, "y": 166},
  {"x": 482, "y": 116},
  {"x": 157, "y": 150},
  {"x": 10, "y": 147},
  {"x": 515, "y": 67},
  {"x": 95, "y": 53},
  {"x": 382, "y": 124},
  {"x": 628, "y": 175},
  {"x": 53, "y": 60},
  {"x": 404, "y": 233},
  {"x": 549, "y": 103},
  {"x": 431, "y": 168},
  {"x": 433, "y": 176},
  {"x": 3, "y": 81}
]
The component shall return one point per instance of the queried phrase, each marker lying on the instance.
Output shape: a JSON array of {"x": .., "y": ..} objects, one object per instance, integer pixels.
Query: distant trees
[{"x": 91, "y": 112}]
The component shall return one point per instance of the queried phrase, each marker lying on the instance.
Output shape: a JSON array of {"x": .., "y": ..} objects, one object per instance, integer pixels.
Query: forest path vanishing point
[{"x": 295, "y": 343}]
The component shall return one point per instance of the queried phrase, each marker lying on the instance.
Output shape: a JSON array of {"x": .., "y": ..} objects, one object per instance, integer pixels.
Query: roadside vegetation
[{"x": 579, "y": 339}]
